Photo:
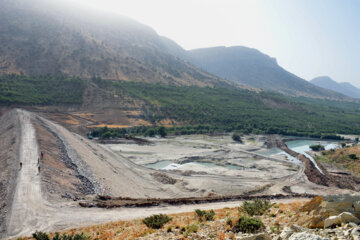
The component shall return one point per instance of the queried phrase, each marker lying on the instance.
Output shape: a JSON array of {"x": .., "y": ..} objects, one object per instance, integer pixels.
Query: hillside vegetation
[
  {"x": 43, "y": 89},
  {"x": 206, "y": 109},
  {"x": 228, "y": 109}
]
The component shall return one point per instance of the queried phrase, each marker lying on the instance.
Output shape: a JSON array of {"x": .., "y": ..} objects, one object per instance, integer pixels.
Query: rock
[
  {"x": 306, "y": 236},
  {"x": 332, "y": 221},
  {"x": 286, "y": 233},
  {"x": 357, "y": 206},
  {"x": 336, "y": 204},
  {"x": 355, "y": 233},
  {"x": 297, "y": 228},
  {"x": 347, "y": 217},
  {"x": 260, "y": 236}
]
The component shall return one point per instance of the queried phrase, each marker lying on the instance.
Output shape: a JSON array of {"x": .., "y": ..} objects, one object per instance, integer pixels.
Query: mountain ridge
[
  {"x": 344, "y": 87},
  {"x": 46, "y": 39}
]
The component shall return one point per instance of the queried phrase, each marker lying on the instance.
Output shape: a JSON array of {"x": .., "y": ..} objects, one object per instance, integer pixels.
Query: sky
[{"x": 309, "y": 38}]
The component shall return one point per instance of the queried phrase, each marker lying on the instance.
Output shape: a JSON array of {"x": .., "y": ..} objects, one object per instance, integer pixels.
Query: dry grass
[
  {"x": 279, "y": 215},
  {"x": 341, "y": 158}
]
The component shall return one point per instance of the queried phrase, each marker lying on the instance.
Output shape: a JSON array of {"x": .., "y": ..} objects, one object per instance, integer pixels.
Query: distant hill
[
  {"x": 46, "y": 37},
  {"x": 343, "y": 88},
  {"x": 251, "y": 67}
]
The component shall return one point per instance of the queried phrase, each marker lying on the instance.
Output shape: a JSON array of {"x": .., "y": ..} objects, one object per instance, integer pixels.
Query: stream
[{"x": 299, "y": 146}]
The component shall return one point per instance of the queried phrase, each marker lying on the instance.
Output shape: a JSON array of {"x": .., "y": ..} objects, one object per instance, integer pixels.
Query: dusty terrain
[
  {"x": 9, "y": 161},
  {"x": 74, "y": 169}
]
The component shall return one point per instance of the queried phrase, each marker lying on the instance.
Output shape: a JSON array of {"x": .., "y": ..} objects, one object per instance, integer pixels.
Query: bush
[
  {"x": 318, "y": 147},
  {"x": 193, "y": 228},
  {"x": 162, "y": 131},
  {"x": 40, "y": 236},
  {"x": 150, "y": 132},
  {"x": 353, "y": 157},
  {"x": 257, "y": 207},
  {"x": 43, "y": 236},
  {"x": 203, "y": 215},
  {"x": 236, "y": 137},
  {"x": 156, "y": 221},
  {"x": 248, "y": 225}
]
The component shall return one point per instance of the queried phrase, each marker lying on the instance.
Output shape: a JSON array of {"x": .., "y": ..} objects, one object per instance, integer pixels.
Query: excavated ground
[
  {"x": 9, "y": 162},
  {"x": 74, "y": 168}
]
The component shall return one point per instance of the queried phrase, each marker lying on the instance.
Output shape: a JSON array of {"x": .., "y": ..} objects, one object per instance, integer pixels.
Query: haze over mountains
[
  {"x": 39, "y": 37},
  {"x": 343, "y": 88}
]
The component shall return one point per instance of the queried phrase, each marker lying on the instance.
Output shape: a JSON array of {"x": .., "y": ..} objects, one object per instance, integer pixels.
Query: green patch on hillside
[
  {"x": 42, "y": 90},
  {"x": 225, "y": 109}
]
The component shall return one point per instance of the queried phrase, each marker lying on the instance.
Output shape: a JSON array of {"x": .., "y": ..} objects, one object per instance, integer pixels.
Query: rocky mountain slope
[
  {"x": 343, "y": 88},
  {"x": 253, "y": 68},
  {"x": 48, "y": 37}
]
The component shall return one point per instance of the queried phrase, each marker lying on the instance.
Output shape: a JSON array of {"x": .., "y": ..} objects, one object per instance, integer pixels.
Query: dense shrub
[
  {"x": 256, "y": 207},
  {"x": 248, "y": 225},
  {"x": 40, "y": 236},
  {"x": 156, "y": 221},
  {"x": 317, "y": 147},
  {"x": 203, "y": 215},
  {"x": 236, "y": 137},
  {"x": 353, "y": 156}
]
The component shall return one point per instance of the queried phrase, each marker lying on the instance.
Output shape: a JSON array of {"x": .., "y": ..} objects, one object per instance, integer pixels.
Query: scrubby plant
[
  {"x": 236, "y": 137},
  {"x": 192, "y": 228},
  {"x": 248, "y": 225},
  {"x": 157, "y": 221},
  {"x": 203, "y": 215},
  {"x": 229, "y": 221},
  {"x": 317, "y": 147},
  {"x": 38, "y": 235},
  {"x": 44, "y": 236},
  {"x": 256, "y": 207},
  {"x": 353, "y": 156}
]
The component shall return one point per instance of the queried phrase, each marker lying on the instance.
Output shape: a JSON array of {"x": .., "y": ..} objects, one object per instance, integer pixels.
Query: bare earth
[{"x": 113, "y": 174}]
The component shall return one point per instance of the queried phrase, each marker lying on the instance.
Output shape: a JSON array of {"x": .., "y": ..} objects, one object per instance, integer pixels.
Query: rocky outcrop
[
  {"x": 305, "y": 236},
  {"x": 329, "y": 211}
]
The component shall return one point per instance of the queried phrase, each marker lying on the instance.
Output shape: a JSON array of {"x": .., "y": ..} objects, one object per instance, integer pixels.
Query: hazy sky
[{"x": 309, "y": 38}]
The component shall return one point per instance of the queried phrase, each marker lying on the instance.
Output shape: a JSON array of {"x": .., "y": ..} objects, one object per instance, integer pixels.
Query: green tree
[{"x": 162, "y": 131}]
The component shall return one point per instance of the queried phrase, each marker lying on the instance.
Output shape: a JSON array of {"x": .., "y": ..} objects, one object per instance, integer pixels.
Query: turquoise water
[
  {"x": 300, "y": 146},
  {"x": 168, "y": 165}
]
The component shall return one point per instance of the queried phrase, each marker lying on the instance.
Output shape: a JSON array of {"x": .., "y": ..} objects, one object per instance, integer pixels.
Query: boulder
[
  {"x": 336, "y": 204},
  {"x": 286, "y": 233},
  {"x": 332, "y": 221},
  {"x": 306, "y": 236},
  {"x": 347, "y": 217},
  {"x": 355, "y": 233},
  {"x": 260, "y": 236},
  {"x": 297, "y": 228},
  {"x": 357, "y": 206}
]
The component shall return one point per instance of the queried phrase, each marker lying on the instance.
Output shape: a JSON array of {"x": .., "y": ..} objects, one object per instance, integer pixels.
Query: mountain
[
  {"x": 49, "y": 37},
  {"x": 251, "y": 67},
  {"x": 343, "y": 88}
]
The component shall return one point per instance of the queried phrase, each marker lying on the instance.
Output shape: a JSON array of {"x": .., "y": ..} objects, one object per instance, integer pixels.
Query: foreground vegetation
[{"x": 227, "y": 223}]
